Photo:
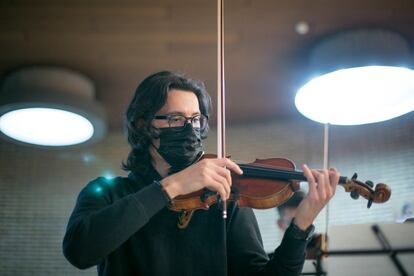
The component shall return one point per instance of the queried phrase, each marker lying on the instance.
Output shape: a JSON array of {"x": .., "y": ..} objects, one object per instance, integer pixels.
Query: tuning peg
[
  {"x": 355, "y": 176},
  {"x": 354, "y": 195},
  {"x": 369, "y": 203},
  {"x": 369, "y": 183}
]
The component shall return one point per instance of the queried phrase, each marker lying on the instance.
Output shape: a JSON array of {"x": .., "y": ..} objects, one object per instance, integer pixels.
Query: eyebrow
[{"x": 181, "y": 113}]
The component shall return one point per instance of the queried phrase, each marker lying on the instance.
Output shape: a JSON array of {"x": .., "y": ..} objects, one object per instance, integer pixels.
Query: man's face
[{"x": 179, "y": 102}]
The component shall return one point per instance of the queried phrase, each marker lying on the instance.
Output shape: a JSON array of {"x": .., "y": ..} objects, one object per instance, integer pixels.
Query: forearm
[
  {"x": 246, "y": 254},
  {"x": 289, "y": 256},
  {"x": 287, "y": 260}
]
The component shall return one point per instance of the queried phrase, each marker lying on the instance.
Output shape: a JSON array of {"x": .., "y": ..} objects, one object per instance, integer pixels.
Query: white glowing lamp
[
  {"x": 358, "y": 95},
  {"x": 50, "y": 106},
  {"x": 46, "y": 126},
  {"x": 362, "y": 81}
]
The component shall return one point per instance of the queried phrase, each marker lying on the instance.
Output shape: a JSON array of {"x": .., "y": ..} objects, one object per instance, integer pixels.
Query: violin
[{"x": 268, "y": 183}]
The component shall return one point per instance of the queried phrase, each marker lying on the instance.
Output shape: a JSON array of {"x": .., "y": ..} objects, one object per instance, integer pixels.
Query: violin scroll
[{"x": 378, "y": 194}]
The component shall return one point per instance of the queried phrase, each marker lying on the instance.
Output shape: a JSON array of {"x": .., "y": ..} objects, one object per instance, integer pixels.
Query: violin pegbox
[{"x": 381, "y": 193}]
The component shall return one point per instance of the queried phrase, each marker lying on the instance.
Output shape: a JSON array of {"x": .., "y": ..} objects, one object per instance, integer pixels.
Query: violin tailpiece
[{"x": 184, "y": 219}]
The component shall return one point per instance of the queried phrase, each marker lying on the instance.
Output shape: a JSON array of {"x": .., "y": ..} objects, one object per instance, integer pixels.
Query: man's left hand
[{"x": 322, "y": 187}]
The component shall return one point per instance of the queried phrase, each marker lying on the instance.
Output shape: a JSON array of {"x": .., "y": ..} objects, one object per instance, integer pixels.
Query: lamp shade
[
  {"x": 360, "y": 76},
  {"x": 50, "y": 106}
]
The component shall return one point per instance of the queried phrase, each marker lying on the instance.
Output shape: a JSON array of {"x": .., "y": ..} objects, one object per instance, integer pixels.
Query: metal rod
[
  {"x": 387, "y": 246},
  {"x": 367, "y": 251},
  {"x": 325, "y": 167}
]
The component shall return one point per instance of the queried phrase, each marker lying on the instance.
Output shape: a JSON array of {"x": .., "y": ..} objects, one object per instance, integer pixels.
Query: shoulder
[
  {"x": 103, "y": 183},
  {"x": 109, "y": 189}
]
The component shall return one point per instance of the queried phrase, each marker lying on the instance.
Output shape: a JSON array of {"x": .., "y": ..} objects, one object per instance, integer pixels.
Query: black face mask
[{"x": 180, "y": 147}]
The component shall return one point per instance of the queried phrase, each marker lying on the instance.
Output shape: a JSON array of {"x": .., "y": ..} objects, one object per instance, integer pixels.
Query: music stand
[{"x": 358, "y": 250}]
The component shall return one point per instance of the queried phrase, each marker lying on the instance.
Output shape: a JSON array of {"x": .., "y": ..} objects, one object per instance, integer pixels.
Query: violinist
[{"x": 124, "y": 226}]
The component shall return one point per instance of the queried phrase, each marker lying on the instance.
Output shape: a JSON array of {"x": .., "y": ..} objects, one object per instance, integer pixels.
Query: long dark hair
[{"x": 150, "y": 96}]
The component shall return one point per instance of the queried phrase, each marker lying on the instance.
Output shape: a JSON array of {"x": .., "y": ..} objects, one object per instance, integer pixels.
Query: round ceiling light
[
  {"x": 362, "y": 78},
  {"x": 50, "y": 106}
]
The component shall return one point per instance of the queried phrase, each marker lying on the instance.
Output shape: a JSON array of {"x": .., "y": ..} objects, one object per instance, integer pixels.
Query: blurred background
[{"x": 118, "y": 43}]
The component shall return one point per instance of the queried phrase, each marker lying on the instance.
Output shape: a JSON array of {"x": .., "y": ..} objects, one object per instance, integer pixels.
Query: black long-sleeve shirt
[{"x": 124, "y": 227}]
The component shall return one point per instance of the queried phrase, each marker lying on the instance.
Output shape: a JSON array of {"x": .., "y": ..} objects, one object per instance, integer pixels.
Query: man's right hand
[{"x": 211, "y": 173}]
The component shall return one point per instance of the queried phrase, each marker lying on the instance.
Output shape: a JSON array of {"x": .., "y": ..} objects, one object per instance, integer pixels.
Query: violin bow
[{"x": 221, "y": 126}]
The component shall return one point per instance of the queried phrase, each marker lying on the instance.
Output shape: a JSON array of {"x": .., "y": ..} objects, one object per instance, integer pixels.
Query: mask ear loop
[{"x": 154, "y": 133}]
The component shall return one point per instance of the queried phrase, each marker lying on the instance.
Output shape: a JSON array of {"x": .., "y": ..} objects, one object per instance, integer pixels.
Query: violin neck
[{"x": 278, "y": 173}]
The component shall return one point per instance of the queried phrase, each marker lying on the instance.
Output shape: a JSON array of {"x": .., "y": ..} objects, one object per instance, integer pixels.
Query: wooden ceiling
[{"x": 118, "y": 43}]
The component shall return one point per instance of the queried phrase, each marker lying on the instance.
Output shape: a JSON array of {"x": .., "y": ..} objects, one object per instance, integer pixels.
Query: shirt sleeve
[
  {"x": 246, "y": 254},
  {"x": 98, "y": 226}
]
